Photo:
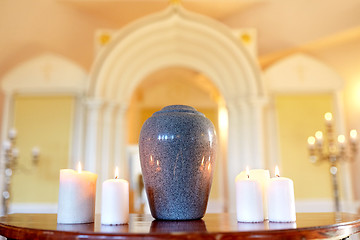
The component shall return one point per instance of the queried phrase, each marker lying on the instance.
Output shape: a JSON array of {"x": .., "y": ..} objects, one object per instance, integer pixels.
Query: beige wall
[
  {"x": 44, "y": 122},
  {"x": 300, "y": 116}
]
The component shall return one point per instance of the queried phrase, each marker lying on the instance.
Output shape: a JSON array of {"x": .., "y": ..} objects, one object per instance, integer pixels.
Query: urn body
[{"x": 177, "y": 148}]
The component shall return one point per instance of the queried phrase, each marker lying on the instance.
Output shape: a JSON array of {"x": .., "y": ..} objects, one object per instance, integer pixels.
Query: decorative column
[
  {"x": 107, "y": 150},
  {"x": 234, "y": 154},
  {"x": 257, "y": 147},
  {"x": 272, "y": 135},
  {"x": 93, "y": 134},
  {"x": 120, "y": 152},
  {"x": 245, "y": 142},
  {"x": 346, "y": 174},
  {"x": 77, "y": 147}
]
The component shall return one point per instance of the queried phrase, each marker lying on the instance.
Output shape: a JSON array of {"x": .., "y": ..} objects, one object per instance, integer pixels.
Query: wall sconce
[{"x": 35, "y": 152}]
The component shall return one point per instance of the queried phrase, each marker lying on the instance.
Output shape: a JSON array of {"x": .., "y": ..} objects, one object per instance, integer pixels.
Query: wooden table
[{"x": 212, "y": 226}]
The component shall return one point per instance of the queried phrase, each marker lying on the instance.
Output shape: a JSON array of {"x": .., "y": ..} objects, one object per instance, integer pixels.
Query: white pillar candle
[
  {"x": 115, "y": 201},
  {"x": 281, "y": 199},
  {"x": 249, "y": 203},
  {"x": 77, "y": 191},
  {"x": 263, "y": 177}
]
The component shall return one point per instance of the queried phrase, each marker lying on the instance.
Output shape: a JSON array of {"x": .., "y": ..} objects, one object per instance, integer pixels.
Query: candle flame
[
  {"x": 341, "y": 139},
  {"x": 79, "y": 167},
  {"x": 277, "y": 171},
  {"x": 353, "y": 134},
  {"x": 328, "y": 116},
  {"x": 116, "y": 172},
  {"x": 247, "y": 172},
  {"x": 311, "y": 140}
]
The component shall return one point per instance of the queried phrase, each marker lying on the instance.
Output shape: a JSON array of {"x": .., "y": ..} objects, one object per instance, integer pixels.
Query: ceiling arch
[{"x": 174, "y": 37}]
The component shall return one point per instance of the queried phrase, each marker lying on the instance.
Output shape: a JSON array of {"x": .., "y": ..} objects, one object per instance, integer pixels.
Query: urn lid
[{"x": 178, "y": 109}]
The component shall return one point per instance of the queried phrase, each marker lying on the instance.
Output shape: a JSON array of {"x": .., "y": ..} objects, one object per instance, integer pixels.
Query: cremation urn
[{"x": 177, "y": 153}]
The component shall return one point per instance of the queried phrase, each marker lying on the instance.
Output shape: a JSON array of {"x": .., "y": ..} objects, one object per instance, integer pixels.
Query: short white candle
[
  {"x": 263, "y": 177},
  {"x": 115, "y": 201},
  {"x": 77, "y": 191},
  {"x": 281, "y": 199},
  {"x": 249, "y": 202}
]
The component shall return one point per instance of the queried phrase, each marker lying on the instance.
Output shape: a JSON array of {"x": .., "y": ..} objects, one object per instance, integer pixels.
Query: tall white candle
[
  {"x": 263, "y": 177},
  {"x": 77, "y": 191},
  {"x": 249, "y": 202},
  {"x": 115, "y": 201},
  {"x": 281, "y": 199}
]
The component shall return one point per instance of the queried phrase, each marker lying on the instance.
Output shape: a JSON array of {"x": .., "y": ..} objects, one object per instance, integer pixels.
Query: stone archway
[{"x": 174, "y": 37}]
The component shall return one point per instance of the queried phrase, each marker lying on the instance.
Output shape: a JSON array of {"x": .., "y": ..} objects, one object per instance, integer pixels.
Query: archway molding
[
  {"x": 47, "y": 74},
  {"x": 303, "y": 74},
  {"x": 174, "y": 37}
]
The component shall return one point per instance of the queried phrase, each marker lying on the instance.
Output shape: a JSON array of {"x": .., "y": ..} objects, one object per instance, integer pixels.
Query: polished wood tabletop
[{"x": 212, "y": 226}]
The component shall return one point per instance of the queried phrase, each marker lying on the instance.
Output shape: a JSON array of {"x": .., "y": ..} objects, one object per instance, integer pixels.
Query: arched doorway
[
  {"x": 42, "y": 98},
  {"x": 171, "y": 86},
  {"x": 174, "y": 37}
]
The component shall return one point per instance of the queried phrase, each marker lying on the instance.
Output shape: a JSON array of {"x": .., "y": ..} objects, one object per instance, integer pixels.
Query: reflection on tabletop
[
  {"x": 266, "y": 225},
  {"x": 87, "y": 227},
  {"x": 123, "y": 228},
  {"x": 158, "y": 226}
]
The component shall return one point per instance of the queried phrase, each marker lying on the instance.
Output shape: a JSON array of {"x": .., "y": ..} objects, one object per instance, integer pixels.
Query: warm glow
[
  {"x": 311, "y": 140},
  {"x": 328, "y": 116},
  {"x": 223, "y": 120},
  {"x": 277, "y": 171},
  {"x": 341, "y": 139},
  {"x": 319, "y": 135},
  {"x": 353, "y": 134},
  {"x": 79, "y": 167},
  {"x": 247, "y": 172},
  {"x": 116, "y": 173}
]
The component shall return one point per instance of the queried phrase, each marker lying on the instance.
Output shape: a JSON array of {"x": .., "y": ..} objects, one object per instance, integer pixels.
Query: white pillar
[
  {"x": 93, "y": 135},
  {"x": 235, "y": 154},
  {"x": 107, "y": 164},
  {"x": 245, "y": 146},
  {"x": 257, "y": 134},
  {"x": 77, "y": 146},
  {"x": 272, "y": 133},
  {"x": 120, "y": 154},
  {"x": 345, "y": 173}
]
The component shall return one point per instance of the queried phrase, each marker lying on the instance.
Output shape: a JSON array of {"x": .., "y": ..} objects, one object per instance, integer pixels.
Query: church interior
[{"x": 80, "y": 77}]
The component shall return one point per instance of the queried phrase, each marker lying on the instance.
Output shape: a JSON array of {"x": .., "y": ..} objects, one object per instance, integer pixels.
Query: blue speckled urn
[{"x": 177, "y": 153}]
